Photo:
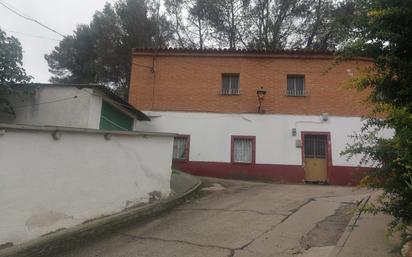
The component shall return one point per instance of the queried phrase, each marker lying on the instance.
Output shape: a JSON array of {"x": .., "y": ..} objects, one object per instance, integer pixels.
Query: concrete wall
[
  {"x": 56, "y": 106},
  {"x": 49, "y": 184}
]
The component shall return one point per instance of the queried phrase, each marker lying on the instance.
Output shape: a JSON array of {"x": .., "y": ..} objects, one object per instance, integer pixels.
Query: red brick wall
[{"x": 192, "y": 82}]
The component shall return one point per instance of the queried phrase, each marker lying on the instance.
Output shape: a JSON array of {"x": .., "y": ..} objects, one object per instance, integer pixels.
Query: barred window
[
  {"x": 181, "y": 147},
  {"x": 315, "y": 146},
  {"x": 230, "y": 84},
  {"x": 296, "y": 85},
  {"x": 243, "y": 149}
]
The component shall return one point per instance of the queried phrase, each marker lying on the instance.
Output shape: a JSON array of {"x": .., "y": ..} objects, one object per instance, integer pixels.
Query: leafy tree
[
  {"x": 189, "y": 24},
  {"x": 73, "y": 60},
  {"x": 100, "y": 52},
  {"x": 229, "y": 20},
  {"x": 279, "y": 24},
  {"x": 197, "y": 20},
  {"x": 384, "y": 34},
  {"x": 328, "y": 24},
  {"x": 11, "y": 70},
  {"x": 175, "y": 11},
  {"x": 274, "y": 22},
  {"x": 11, "y": 56}
]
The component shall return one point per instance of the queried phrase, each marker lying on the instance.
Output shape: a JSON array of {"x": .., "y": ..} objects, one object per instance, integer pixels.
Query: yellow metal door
[
  {"x": 315, "y": 169},
  {"x": 315, "y": 162}
]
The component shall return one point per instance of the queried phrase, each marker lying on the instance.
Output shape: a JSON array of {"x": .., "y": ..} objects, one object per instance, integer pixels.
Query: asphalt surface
[{"x": 240, "y": 219}]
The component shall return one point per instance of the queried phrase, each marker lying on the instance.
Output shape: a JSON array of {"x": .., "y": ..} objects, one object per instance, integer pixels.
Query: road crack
[
  {"x": 179, "y": 241},
  {"x": 292, "y": 211},
  {"x": 227, "y": 210}
]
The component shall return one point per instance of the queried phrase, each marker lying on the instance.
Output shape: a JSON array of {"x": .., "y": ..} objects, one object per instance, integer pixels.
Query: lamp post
[{"x": 260, "y": 92}]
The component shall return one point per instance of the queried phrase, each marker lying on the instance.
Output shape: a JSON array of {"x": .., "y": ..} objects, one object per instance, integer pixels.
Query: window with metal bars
[
  {"x": 230, "y": 84},
  {"x": 243, "y": 149},
  {"x": 181, "y": 147},
  {"x": 315, "y": 146},
  {"x": 296, "y": 85}
]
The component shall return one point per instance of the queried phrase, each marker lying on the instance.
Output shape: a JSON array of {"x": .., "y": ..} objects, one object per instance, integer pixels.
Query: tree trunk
[{"x": 315, "y": 28}]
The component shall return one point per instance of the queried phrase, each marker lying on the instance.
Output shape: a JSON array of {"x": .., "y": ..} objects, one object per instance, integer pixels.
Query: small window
[
  {"x": 230, "y": 84},
  {"x": 315, "y": 146},
  {"x": 296, "y": 85},
  {"x": 181, "y": 148},
  {"x": 243, "y": 149}
]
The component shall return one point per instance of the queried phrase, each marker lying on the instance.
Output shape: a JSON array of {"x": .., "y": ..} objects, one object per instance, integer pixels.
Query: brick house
[{"x": 278, "y": 115}]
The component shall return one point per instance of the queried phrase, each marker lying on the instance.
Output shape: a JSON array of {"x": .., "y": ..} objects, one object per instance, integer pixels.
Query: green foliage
[
  {"x": 11, "y": 55},
  {"x": 100, "y": 52},
  {"x": 11, "y": 70},
  {"x": 326, "y": 25},
  {"x": 262, "y": 24},
  {"x": 230, "y": 20},
  {"x": 384, "y": 34}
]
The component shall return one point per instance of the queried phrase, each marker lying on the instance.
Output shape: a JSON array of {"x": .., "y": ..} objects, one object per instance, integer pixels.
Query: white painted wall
[
  {"x": 54, "y": 106},
  {"x": 210, "y": 134},
  {"x": 95, "y": 110},
  {"x": 47, "y": 184}
]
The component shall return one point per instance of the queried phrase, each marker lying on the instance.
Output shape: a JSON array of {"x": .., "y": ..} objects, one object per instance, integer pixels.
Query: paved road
[{"x": 240, "y": 219}]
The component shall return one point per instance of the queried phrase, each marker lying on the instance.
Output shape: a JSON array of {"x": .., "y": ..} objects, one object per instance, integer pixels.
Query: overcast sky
[{"x": 61, "y": 15}]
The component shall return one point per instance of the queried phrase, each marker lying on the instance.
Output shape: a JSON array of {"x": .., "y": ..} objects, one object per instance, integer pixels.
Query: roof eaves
[
  {"x": 235, "y": 51},
  {"x": 112, "y": 95}
]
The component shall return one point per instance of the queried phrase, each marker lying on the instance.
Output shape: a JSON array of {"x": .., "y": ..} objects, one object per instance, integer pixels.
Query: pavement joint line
[
  {"x": 178, "y": 241},
  {"x": 226, "y": 210},
  {"x": 342, "y": 202},
  {"x": 324, "y": 196},
  {"x": 292, "y": 211}
]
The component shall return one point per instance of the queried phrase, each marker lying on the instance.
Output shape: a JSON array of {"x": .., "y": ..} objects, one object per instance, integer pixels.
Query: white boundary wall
[
  {"x": 65, "y": 106},
  {"x": 210, "y": 134},
  {"x": 48, "y": 184}
]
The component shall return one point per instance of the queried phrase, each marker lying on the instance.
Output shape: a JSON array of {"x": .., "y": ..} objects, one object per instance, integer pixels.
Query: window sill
[
  {"x": 243, "y": 163},
  {"x": 230, "y": 94},
  {"x": 297, "y": 95}
]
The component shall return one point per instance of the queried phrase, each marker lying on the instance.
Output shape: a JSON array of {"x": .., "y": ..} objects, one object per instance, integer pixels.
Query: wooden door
[{"x": 315, "y": 154}]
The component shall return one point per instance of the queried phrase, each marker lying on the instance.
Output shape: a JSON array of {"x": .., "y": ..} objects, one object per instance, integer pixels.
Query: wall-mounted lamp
[
  {"x": 56, "y": 135},
  {"x": 260, "y": 92}
]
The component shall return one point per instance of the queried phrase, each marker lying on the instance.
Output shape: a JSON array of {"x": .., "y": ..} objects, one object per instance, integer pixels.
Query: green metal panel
[{"x": 114, "y": 119}]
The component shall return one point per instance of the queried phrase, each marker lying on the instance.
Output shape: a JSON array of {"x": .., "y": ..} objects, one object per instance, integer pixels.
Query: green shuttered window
[{"x": 114, "y": 119}]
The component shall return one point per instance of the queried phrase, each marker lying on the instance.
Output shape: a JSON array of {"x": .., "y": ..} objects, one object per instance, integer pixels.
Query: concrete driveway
[{"x": 237, "y": 218}]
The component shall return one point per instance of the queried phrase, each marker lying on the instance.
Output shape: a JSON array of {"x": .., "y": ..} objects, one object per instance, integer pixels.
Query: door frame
[{"x": 328, "y": 149}]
